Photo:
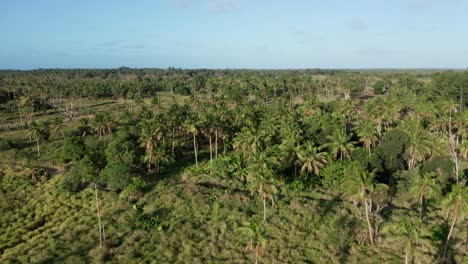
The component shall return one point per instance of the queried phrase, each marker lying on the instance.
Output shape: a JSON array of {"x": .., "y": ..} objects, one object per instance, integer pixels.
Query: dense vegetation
[{"x": 187, "y": 166}]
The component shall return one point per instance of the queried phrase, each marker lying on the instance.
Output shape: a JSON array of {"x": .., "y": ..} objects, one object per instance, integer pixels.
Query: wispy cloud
[
  {"x": 357, "y": 24},
  {"x": 111, "y": 43},
  {"x": 304, "y": 37},
  {"x": 222, "y": 6}
]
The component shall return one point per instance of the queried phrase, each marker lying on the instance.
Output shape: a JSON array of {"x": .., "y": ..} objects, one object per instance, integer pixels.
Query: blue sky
[{"x": 233, "y": 33}]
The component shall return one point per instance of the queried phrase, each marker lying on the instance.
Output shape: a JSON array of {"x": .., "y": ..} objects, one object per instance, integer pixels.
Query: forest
[{"x": 233, "y": 166}]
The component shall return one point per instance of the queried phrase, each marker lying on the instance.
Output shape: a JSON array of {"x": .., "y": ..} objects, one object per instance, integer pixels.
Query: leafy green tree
[
  {"x": 257, "y": 242},
  {"x": 73, "y": 149},
  {"x": 391, "y": 149}
]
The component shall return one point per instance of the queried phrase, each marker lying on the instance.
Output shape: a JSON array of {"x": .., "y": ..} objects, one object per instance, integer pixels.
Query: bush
[
  {"x": 334, "y": 173},
  {"x": 134, "y": 190},
  {"x": 73, "y": 149},
  {"x": 117, "y": 176},
  {"x": 5, "y": 144},
  {"x": 82, "y": 173}
]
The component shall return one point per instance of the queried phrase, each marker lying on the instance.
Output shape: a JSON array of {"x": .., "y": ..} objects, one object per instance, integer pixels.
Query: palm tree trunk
[
  {"x": 371, "y": 238},
  {"x": 195, "y": 148},
  {"x": 406, "y": 255},
  {"x": 211, "y": 149},
  {"x": 98, "y": 213},
  {"x": 37, "y": 145},
  {"x": 216, "y": 143},
  {"x": 448, "y": 237}
]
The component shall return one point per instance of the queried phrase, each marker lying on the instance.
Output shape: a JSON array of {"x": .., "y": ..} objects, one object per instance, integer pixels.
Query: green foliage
[
  {"x": 134, "y": 190},
  {"x": 73, "y": 149},
  {"x": 391, "y": 150},
  {"x": 116, "y": 176},
  {"x": 5, "y": 144},
  {"x": 333, "y": 174},
  {"x": 81, "y": 174}
]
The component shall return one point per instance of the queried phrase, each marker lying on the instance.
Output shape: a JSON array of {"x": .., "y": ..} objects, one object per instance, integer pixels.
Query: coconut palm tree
[
  {"x": 425, "y": 187},
  {"x": 39, "y": 131},
  {"x": 339, "y": 143},
  {"x": 192, "y": 127},
  {"x": 310, "y": 159},
  {"x": 419, "y": 145},
  {"x": 260, "y": 177},
  {"x": 463, "y": 149},
  {"x": 360, "y": 186},
  {"x": 367, "y": 134},
  {"x": 248, "y": 140},
  {"x": 456, "y": 206},
  {"x": 407, "y": 230},
  {"x": 257, "y": 243}
]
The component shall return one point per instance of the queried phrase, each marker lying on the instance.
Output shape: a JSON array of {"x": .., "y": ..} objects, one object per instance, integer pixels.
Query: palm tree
[
  {"x": 425, "y": 187},
  {"x": 311, "y": 159},
  {"x": 151, "y": 133},
  {"x": 191, "y": 127},
  {"x": 257, "y": 243},
  {"x": 456, "y": 206},
  {"x": 410, "y": 233},
  {"x": 367, "y": 134},
  {"x": 39, "y": 131},
  {"x": 360, "y": 186},
  {"x": 419, "y": 144},
  {"x": 463, "y": 149},
  {"x": 58, "y": 125},
  {"x": 339, "y": 143},
  {"x": 100, "y": 123},
  {"x": 84, "y": 126},
  {"x": 260, "y": 178},
  {"x": 248, "y": 140},
  {"x": 161, "y": 157}
]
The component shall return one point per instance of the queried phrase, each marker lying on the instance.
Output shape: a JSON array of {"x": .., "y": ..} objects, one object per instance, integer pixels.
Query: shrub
[
  {"x": 73, "y": 149},
  {"x": 116, "y": 176},
  {"x": 334, "y": 173},
  {"x": 5, "y": 144}
]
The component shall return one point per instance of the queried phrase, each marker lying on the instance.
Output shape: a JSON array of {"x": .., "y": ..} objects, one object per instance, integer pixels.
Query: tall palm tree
[
  {"x": 367, "y": 134},
  {"x": 248, "y": 140},
  {"x": 260, "y": 177},
  {"x": 310, "y": 159},
  {"x": 192, "y": 127},
  {"x": 456, "y": 207},
  {"x": 419, "y": 145},
  {"x": 425, "y": 187},
  {"x": 99, "y": 124},
  {"x": 410, "y": 233},
  {"x": 339, "y": 143},
  {"x": 39, "y": 131},
  {"x": 151, "y": 133},
  {"x": 360, "y": 186},
  {"x": 257, "y": 243}
]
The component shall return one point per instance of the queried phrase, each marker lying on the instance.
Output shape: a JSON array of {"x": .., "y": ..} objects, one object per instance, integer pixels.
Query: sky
[{"x": 268, "y": 34}]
